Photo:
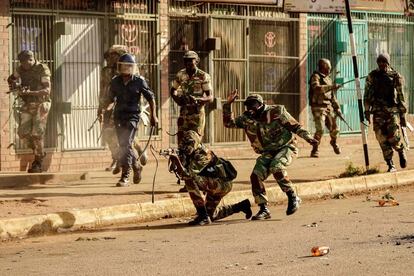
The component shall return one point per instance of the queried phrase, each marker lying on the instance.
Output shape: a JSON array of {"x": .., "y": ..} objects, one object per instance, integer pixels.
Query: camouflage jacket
[
  {"x": 107, "y": 73},
  {"x": 34, "y": 78},
  {"x": 321, "y": 94},
  {"x": 272, "y": 131},
  {"x": 384, "y": 92},
  {"x": 200, "y": 159},
  {"x": 195, "y": 86}
]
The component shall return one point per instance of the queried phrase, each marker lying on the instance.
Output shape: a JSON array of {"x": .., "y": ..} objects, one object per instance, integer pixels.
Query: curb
[
  {"x": 18, "y": 180},
  {"x": 140, "y": 212}
]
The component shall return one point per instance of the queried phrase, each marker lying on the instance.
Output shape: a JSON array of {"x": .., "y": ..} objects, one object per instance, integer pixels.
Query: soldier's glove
[{"x": 367, "y": 116}]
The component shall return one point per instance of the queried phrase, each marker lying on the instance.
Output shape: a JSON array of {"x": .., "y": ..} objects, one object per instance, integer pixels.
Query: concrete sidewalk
[{"x": 96, "y": 202}]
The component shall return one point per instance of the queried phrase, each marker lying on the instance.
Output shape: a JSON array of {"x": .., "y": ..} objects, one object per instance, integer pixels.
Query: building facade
[{"x": 255, "y": 48}]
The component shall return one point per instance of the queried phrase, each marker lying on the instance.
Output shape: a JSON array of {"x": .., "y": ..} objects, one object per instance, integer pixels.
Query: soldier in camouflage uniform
[
  {"x": 191, "y": 90},
  {"x": 324, "y": 105},
  {"x": 384, "y": 98},
  {"x": 208, "y": 175},
  {"x": 269, "y": 129},
  {"x": 34, "y": 78},
  {"x": 106, "y": 116}
]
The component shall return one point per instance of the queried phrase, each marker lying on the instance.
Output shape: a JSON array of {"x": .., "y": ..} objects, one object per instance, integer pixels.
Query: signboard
[
  {"x": 318, "y": 6},
  {"x": 338, "y": 6},
  {"x": 277, "y": 3}
]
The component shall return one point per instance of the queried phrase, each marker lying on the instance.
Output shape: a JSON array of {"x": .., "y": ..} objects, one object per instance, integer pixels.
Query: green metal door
[{"x": 347, "y": 96}]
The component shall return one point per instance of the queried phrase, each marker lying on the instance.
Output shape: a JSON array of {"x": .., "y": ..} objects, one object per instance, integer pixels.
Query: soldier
[
  {"x": 126, "y": 90},
  {"x": 269, "y": 129},
  {"x": 324, "y": 105},
  {"x": 384, "y": 98},
  {"x": 211, "y": 175},
  {"x": 34, "y": 78},
  {"x": 106, "y": 116},
  {"x": 196, "y": 91}
]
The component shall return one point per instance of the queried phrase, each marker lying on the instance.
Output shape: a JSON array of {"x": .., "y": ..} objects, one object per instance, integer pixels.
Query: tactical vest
[
  {"x": 32, "y": 78},
  {"x": 384, "y": 88},
  {"x": 319, "y": 100}
]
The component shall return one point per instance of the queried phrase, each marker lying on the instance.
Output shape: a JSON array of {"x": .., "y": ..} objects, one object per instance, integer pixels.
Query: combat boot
[
  {"x": 112, "y": 166},
  {"x": 315, "y": 152},
  {"x": 263, "y": 213},
  {"x": 37, "y": 164},
  {"x": 123, "y": 181},
  {"x": 335, "y": 146},
  {"x": 137, "y": 173},
  {"x": 403, "y": 158},
  {"x": 202, "y": 217},
  {"x": 391, "y": 166},
  {"x": 243, "y": 206},
  {"x": 293, "y": 203}
]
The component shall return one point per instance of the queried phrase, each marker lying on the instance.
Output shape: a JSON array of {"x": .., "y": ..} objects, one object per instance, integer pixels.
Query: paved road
[{"x": 364, "y": 239}]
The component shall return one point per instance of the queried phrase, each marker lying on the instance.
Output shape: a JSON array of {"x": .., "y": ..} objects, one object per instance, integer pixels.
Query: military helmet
[
  {"x": 118, "y": 49},
  {"x": 126, "y": 58},
  {"x": 25, "y": 55},
  {"x": 190, "y": 55},
  {"x": 254, "y": 98}
]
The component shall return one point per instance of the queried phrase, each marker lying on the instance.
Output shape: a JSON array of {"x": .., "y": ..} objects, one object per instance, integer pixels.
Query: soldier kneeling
[{"x": 205, "y": 172}]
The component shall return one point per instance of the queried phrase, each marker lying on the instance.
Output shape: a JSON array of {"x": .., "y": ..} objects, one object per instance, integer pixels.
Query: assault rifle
[
  {"x": 341, "y": 116},
  {"x": 172, "y": 168}
]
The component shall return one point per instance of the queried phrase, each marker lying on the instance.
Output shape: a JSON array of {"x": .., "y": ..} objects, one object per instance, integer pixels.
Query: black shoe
[
  {"x": 293, "y": 203},
  {"x": 137, "y": 173},
  {"x": 263, "y": 213},
  {"x": 315, "y": 152},
  {"x": 112, "y": 166},
  {"x": 245, "y": 207},
  {"x": 183, "y": 190},
  {"x": 403, "y": 158},
  {"x": 123, "y": 182},
  {"x": 391, "y": 166},
  {"x": 200, "y": 220}
]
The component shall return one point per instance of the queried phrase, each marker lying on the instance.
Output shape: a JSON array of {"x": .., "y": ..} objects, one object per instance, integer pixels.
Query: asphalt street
[{"x": 364, "y": 239}]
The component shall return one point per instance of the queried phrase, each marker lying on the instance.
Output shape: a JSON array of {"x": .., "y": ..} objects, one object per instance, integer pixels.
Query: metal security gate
[
  {"x": 230, "y": 72},
  {"x": 347, "y": 95},
  {"x": 79, "y": 72},
  {"x": 185, "y": 34},
  {"x": 33, "y": 32},
  {"x": 328, "y": 37}
]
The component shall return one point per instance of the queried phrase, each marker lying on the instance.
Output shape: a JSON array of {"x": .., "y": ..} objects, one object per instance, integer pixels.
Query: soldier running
[
  {"x": 269, "y": 129},
  {"x": 324, "y": 105}
]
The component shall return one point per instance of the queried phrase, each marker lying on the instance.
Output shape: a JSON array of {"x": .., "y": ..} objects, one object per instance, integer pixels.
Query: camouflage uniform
[
  {"x": 208, "y": 176},
  {"x": 272, "y": 137},
  {"x": 324, "y": 104},
  {"x": 384, "y": 98},
  {"x": 192, "y": 116},
  {"x": 108, "y": 126},
  {"x": 35, "y": 109}
]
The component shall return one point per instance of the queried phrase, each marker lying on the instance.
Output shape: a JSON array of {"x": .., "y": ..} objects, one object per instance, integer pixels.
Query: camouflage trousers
[
  {"x": 387, "y": 132},
  {"x": 196, "y": 122},
  {"x": 32, "y": 125},
  {"x": 215, "y": 189},
  {"x": 272, "y": 163},
  {"x": 325, "y": 117}
]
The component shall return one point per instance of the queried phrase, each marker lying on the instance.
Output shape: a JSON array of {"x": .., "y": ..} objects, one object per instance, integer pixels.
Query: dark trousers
[{"x": 125, "y": 132}]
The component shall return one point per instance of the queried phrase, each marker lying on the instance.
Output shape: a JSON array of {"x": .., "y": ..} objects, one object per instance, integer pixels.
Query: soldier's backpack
[{"x": 222, "y": 169}]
